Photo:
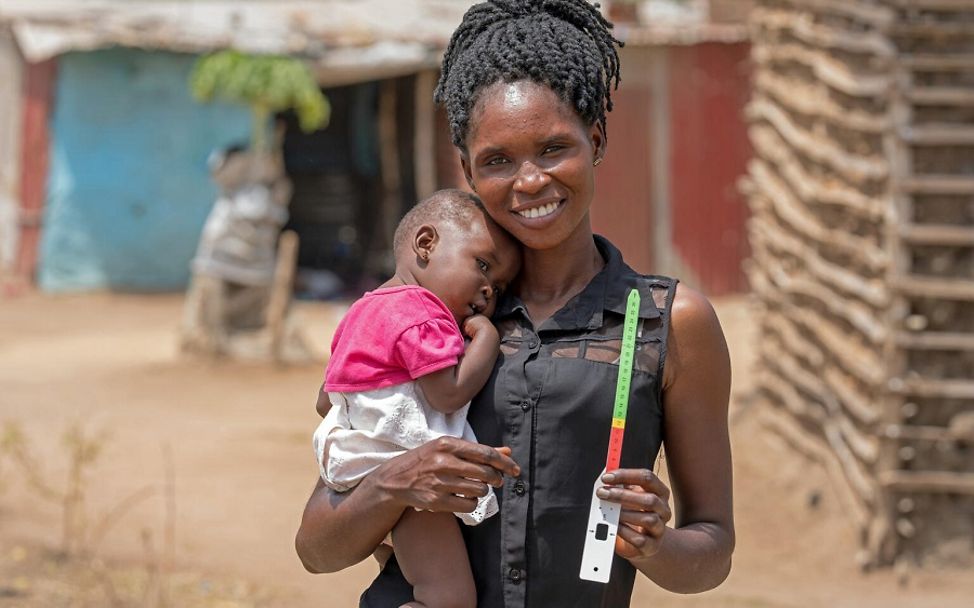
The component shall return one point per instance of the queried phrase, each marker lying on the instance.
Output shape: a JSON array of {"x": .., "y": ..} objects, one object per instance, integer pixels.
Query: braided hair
[{"x": 566, "y": 45}]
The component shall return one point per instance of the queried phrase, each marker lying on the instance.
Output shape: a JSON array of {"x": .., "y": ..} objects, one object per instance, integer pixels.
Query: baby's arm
[
  {"x": 449, "y": 389},
  {"x": 323, "y": 404}
]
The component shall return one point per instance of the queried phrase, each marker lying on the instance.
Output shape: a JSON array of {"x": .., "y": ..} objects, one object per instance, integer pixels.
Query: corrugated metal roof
[
  {"x": 410, "y": 30},
  {"x": 343, "y": 38}
]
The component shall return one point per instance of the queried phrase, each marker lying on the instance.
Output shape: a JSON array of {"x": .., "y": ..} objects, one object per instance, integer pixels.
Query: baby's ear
[{"x": 425, "y": 241}]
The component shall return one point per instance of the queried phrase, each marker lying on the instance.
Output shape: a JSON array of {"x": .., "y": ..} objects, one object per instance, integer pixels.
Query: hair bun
[
  {"x": 523, "y": 8},
  {"x": 519, "y": 8}
]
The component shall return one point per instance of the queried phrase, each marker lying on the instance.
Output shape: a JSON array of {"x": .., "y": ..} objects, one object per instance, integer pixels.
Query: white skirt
[{"x": 363, "y": 430}]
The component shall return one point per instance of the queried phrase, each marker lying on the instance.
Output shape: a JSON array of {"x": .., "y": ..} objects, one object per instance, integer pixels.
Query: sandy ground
[{"x": 239, "y": 435}]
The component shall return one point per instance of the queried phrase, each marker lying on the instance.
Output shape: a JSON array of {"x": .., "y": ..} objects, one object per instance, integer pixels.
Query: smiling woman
[
  {"x": 530, "y": 158},
  {"x": 526, "y": 87}
]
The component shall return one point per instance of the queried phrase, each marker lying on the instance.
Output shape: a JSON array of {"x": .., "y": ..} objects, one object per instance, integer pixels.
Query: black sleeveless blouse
[{"x": 550, "y": 399}]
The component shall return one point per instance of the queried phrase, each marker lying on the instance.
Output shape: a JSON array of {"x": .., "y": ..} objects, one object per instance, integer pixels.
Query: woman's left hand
[{"x": 645, "y": 510}]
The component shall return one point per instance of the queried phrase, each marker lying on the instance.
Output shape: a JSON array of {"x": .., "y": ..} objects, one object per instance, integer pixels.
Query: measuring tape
[
  {"x": 603, "y": 519},
  {"x": 621, "y": 407}
]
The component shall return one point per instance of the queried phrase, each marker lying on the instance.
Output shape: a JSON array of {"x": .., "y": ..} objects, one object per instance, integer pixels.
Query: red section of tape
[{"x": 615, "y": 449}]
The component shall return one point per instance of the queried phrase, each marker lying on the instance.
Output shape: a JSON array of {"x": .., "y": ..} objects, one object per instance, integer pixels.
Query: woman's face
[{"x": 529, "y": 157}]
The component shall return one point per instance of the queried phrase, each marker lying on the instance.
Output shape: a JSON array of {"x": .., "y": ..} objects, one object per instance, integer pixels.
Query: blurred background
[{"x": 191, "y": 192}]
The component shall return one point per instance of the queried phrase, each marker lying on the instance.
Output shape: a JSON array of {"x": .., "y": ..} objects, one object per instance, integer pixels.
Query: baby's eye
[
  {"x": 498, "y": 290},
  {"x": 497, "y": 160},
  {"x": 553, "y": 148},
  {"x": 484, "y": 266}
]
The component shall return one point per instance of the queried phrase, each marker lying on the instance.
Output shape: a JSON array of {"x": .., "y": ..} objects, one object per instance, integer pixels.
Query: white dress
[{"x": 365, "y": 429}]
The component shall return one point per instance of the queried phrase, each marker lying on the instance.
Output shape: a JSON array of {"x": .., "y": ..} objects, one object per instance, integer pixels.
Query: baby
[{"x": 399, "y": 375}]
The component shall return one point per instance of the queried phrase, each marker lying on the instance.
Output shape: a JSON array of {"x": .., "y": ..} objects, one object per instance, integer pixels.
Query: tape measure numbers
[
  {"x": 621, "y": 407},
  {"x": 603, "y": 519}
]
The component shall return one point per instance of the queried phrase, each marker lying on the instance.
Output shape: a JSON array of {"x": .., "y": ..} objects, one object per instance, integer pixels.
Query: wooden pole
[
  {"x": 380, "y": 256},
  {"x": 424, "y": 141},
  {"x": 281, "y": 288}
]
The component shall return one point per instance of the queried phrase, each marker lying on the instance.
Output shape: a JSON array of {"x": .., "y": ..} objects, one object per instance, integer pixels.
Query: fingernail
[
  {"x": 609, "y": 478},
  {"x": 602, "y": 493}
]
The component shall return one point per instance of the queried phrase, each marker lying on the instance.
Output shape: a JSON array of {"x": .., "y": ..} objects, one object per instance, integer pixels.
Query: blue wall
[{"x": 128, "y": 189}]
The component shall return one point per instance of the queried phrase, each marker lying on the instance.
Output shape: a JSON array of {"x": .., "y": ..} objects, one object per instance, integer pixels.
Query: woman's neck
[{"x": 551, "y": 277}]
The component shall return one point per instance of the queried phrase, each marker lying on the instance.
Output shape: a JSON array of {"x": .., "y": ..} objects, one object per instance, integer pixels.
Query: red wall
[
  {"x": 38, "y": 97},
  {"x": 623, "y": 209},
  {"x": 709, "y": 86}
]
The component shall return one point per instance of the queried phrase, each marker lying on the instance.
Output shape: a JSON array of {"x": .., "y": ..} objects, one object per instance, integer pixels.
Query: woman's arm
[
  {"x": 694, "y": 555},
  {"x": 328, "y": 539},
  {"x": 341, "y": 529}
]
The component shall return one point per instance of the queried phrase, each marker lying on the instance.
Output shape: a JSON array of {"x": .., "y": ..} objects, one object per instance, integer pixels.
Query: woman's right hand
[
  {"x": 446, "y": 474},
  {"x": 341, "y": 529}
]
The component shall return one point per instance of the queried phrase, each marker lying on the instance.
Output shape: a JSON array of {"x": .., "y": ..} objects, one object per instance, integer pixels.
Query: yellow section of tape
[{"x": 618, "y": 423}]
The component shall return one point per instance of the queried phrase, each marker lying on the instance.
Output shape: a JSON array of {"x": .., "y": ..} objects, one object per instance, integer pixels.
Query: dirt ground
[{"x": 240, "y": 441}]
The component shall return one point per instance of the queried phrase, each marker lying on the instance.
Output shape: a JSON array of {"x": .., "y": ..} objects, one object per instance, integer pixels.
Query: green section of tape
[{"x": 621, "y": 406}]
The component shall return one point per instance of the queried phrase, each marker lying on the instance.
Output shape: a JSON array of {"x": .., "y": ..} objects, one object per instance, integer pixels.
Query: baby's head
[{"x": 449, "y": 245}]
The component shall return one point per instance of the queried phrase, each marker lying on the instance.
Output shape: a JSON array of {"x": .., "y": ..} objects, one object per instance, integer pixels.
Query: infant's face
[{"x": 469, "y": 268}]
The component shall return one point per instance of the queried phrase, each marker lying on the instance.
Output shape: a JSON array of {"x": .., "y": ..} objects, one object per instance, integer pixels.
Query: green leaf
[{"x": 271, "y": 82}]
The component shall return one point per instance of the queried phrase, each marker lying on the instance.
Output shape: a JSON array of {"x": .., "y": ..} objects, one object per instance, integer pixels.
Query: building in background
[
  {"x": 10, "y": 130},
  {"x": 108, "y": 187}
]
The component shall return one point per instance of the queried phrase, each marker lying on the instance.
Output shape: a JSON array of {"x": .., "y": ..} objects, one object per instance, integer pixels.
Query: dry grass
[{"x": 36, "y": 576}]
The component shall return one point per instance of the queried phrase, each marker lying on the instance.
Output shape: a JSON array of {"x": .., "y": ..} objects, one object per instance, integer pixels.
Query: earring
[{"x": 597, "y": 162}]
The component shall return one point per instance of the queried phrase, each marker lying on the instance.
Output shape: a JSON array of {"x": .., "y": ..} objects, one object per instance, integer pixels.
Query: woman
[{"x": 526, "y": 85}]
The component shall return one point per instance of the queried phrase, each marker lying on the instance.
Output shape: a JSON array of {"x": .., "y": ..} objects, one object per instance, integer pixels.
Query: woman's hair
[{"x": 565, "y": 45}]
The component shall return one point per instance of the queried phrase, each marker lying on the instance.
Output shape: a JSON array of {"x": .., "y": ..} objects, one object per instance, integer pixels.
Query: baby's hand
[{"x": 478, "y": 323}]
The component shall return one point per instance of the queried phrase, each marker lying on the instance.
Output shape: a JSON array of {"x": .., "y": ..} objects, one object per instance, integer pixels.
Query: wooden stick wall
[{"x": 862, "y": 230}]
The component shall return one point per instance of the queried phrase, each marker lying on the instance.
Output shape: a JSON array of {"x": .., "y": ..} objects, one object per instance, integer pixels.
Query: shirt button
[
  {"x": 532, "y": 343},
  {"x": 519, "y": 487},
  {"x": 515, "y": 575},
  {"x": 525, "y": 406}
]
